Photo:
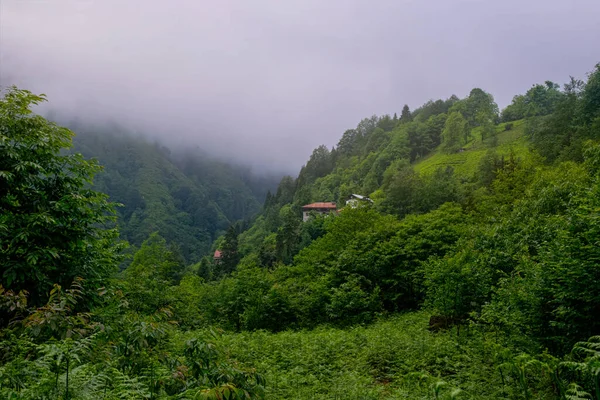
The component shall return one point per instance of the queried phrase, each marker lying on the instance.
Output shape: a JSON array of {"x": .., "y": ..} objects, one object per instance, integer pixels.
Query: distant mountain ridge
[{"x": 188, "y": 197}]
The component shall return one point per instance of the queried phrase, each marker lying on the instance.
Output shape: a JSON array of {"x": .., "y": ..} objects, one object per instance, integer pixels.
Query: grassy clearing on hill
[
  {"x": 465, "y": 164},
  {"x": 396, "y": 358}
]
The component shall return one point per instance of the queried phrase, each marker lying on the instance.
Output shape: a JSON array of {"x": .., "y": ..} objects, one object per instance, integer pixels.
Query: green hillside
[
  {"x": 473, "y": 272},
  {"x": 466, "y": 163},
  {"x": 190, "y": 199}
]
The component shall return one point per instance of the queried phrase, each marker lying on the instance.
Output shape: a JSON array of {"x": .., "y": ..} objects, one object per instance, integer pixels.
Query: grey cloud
[{"x": 265, "y": 82}]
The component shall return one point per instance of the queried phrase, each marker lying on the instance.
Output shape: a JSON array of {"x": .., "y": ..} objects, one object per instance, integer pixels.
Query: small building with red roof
[
  {"x": 319, "y": 208},
  {"x": 217, "y": 256}
]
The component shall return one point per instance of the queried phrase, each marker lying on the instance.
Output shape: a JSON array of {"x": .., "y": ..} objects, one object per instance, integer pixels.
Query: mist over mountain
[
  {"x": 299, "y": 199},
  {"x": 264, "y": 83},
  {"x": 186, "y": 195}
]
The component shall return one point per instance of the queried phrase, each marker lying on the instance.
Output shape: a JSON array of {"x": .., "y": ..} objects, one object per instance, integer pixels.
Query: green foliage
[
  {"x": 319, "y": 165},
  {"x": 543, "y": 293},
  {"x": 288, "y": 234},
  {"x": 353, "y": 301},
  {"x": 53, "y": 228},
  {"x": 561, "y": 135},
  {"x": 479, "y": 108},
  {"x": 190, "y": 199},
  {"x": 539, "y": 100},
  {"x": 154, "y": 268},
  {"x": 433, "y": 108},
  {"x": 360, "y": 264},
  {"x": 225, "y": 380},
  {"x": 114, "y": 353},
  {"x": 457, "y": 285},
  {"x": 456, "y": 132},
  {"x": 516, "y": 110},
  {"x": 392, "y": 359},
  {"x": 490, "y": 256},
  {"x": 204, "y": 269},
  {"x": 406, "y": 116},
  {"x": 230, "y": 255},
  {"x": 466, "y": 164},
  {"x": 591, "y": 97}
]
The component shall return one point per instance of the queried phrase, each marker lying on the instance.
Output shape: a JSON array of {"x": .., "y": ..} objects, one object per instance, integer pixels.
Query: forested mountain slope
[
  {"x": 473, "y": 273},
  {"x": 188, "y": 197},
  {"x": 483, "y": 218}
]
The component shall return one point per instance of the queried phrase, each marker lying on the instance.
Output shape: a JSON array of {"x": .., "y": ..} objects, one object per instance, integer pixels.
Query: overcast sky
[{"x": 268, "y": 81}]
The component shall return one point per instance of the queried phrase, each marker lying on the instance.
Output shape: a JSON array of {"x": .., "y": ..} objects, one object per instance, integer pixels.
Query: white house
[{"x": 354, "y": 200}]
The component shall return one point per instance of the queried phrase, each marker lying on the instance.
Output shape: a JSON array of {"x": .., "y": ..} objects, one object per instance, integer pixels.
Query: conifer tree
[
  {"x": 405, "y": 116},
  {"x": 229, "y": 251}
]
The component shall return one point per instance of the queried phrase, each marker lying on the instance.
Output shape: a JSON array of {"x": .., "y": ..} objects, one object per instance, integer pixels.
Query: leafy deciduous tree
[
  {"x": 454, "y": 133},
  {"x": 53, "y": 227}
]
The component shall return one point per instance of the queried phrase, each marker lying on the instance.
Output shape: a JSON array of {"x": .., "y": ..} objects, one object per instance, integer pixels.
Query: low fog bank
[
  {"x": 179, "y": 151},
  {"x": 262, "y": 83}
]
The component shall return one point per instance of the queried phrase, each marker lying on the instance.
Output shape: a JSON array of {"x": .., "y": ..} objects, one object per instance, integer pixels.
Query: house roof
[
  {"x": 217, "y": 254},
  {"x": 359, "y": 197},
  {"x": 322, "y": 205}
]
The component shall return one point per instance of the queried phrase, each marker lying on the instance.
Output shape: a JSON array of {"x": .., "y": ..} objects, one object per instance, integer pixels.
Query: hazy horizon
[{"x": 264, "y": 83}]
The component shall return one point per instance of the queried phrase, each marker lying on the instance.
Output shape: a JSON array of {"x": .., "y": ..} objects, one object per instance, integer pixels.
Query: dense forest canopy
[
  {"x": 466, "y": 266},
  {"x": 190, "y": 198}
]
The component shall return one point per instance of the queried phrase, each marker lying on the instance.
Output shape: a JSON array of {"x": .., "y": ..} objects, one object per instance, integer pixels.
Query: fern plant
[
  {"x": 519, "y": 367},
  {"x": 588, "y": 367},
  {"x": 576, "y": 392}
]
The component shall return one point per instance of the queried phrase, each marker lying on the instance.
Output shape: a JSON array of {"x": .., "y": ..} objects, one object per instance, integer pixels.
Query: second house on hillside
[
  {"x": 355, "y": 200},
  {"x": 319, "y": 208}
]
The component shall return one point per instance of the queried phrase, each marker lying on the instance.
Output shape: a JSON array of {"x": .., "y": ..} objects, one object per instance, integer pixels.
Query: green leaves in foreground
[
  {"x": 57, "y": 353},
  {"x": 53, "y": 228}
]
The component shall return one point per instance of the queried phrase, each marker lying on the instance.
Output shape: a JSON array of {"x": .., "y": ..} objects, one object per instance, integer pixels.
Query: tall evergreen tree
[
  {"x": 287, "y": 238},
  {"x": 405, "y": 116},
  {"x": 229, "y": 251},
  {"x": 205, "y": 269}
]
